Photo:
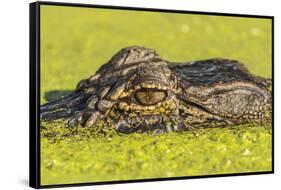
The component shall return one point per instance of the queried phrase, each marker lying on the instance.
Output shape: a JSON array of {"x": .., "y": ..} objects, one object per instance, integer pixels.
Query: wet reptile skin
[{"x": 138, "y": 91}]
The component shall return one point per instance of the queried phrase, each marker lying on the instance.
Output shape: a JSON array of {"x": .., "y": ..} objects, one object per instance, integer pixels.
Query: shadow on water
[{"x": 55, "y": 94}]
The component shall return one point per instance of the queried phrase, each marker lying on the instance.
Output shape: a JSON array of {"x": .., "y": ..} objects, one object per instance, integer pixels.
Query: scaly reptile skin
[{"x": 138, "y": 91}]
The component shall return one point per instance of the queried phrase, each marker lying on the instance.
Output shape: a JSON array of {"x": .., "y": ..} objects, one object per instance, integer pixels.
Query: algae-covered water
[{"x": 75, "y": 42}]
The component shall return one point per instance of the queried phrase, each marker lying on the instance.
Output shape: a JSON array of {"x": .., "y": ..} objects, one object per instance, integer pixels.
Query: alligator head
[{"x": 138, "y": 91}]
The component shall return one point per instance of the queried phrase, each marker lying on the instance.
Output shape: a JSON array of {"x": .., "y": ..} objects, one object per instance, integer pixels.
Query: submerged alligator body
[{"x": 138, "y": 91}]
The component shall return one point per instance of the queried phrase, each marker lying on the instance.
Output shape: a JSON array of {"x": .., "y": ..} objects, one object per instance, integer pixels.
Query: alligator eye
[{"x": 150, "y": 96}]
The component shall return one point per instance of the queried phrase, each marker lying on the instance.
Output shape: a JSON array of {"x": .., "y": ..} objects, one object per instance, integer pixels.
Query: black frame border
[
  {"x": 34, "y": 95},
  {"x": 34, "y": 92}
]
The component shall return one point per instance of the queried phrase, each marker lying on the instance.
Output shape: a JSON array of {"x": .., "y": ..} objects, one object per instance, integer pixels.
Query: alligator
[{"x": 138, "y": 91}]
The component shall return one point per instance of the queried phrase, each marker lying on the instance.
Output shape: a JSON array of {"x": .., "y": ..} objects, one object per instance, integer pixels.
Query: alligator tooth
[
  {"x": 164, "y": 88},
  {"x": 150, "y": 108},
  {"x": 159, "y": 86},
  {"x": 152, "y": 86},
  {"x": 144, "y": 85}
]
